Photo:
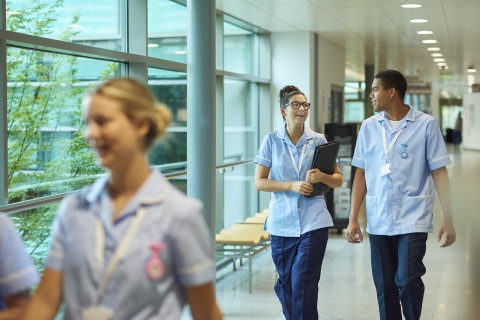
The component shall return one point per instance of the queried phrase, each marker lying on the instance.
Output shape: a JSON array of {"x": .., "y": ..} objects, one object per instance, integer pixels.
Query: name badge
[
  {"x": 385, "y": 169},
  {"x": 97, "y": 313}
]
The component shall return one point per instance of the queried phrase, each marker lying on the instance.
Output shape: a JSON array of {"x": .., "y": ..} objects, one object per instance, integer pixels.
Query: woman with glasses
[{"x": 298, "y": 225}]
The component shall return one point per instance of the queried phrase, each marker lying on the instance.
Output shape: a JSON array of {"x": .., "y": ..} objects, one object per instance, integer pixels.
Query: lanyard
[
  {"x": 391, "y": 144},
  {"x": 301, "y": 159},
  {"x": 123, "y": 245}
]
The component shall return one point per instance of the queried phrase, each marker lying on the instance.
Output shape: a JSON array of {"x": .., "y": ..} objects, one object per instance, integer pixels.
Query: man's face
[{"x": 381, "y": 98}]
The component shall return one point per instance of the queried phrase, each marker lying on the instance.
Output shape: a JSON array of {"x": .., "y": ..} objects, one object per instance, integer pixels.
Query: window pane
[
  {"x": 170, "y": 88},
  {"x": 167, "y": 30},
  {"x": 34, "y": 227},
  {"x": 241, "y": 50},
  {"x": 241, "y": 197},
  {"x": 95, "y": 23},
  {"x": 240, "y": 120},
  {"x": 46, "y": 151},
  {"x": 354, "y": 111}
]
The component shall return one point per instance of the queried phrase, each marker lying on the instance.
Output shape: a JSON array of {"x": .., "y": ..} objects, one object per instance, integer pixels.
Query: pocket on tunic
[
  {"x": 417, "y": 210},
  {"x": 371, "y": 202}
]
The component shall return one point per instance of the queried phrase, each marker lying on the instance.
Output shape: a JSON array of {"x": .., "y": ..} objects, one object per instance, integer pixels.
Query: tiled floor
[{"x": 346, "y": 289}]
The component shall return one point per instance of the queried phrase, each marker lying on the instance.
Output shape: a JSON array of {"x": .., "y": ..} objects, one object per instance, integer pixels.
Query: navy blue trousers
[
  {"x": 397, "y": 269},
  {"x": 299, "y": 262}
]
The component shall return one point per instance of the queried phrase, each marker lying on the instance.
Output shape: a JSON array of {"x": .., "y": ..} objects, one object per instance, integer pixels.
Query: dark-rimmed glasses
[{"x": 296, "y": 105}]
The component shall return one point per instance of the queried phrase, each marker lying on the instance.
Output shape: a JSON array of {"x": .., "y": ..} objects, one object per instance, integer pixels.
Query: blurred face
[
  {"x": 381, "y": 98},
  {"x": 295, "y": 116},
  {"x": 114, "y": 138}
]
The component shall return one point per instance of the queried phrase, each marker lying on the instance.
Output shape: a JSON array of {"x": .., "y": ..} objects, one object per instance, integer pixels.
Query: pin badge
[
  {"x": 154, "y": 267},
  {"x": 404, "y": 153}
]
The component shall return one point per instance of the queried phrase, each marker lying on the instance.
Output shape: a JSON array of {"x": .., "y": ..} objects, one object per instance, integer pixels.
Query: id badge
[
  {"x": 385, "y": 169},
  {"x": 97, "y": 313}
]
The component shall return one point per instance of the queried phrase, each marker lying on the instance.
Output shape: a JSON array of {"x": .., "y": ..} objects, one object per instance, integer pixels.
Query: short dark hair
[{"x": 393, "y": 79}]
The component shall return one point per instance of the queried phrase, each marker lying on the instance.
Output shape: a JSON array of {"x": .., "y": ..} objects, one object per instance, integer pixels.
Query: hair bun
[
  {"x": 286, "y": 90},
  {"x": 164, "y": 116}
]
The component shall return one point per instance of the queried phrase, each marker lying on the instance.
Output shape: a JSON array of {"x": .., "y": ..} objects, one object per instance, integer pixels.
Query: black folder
[{"x": 324, "y": 160}]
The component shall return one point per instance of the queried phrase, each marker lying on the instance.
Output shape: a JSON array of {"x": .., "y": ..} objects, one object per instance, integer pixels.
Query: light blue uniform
[
  {"x": 292, "y": 214},
  {"x": 402, "y": 201},
  {"x": 176, "y": 221},
  {"x": 17, "y": 273}
]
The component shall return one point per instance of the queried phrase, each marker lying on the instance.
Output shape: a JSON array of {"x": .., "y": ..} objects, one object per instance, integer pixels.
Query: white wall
[
  {"x": 331, "y": 69},
  {"x": 293, "y": 63},
  {"x": 471, "y": 121}
]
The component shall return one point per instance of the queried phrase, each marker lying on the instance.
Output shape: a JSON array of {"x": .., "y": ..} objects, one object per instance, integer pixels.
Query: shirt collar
[
  {"x": 150, "y": 190},
  {"x": 403, "y": 123},
  {"x": 307, "y": 135}
]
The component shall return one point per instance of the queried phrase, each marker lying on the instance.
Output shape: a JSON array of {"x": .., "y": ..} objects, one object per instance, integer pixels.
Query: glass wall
[
  {"x": 241, "y": 120},
  {"x": 95, "y": 23},
  {"x": 46, "y": 150},
  {"x": 241, "y": 50},
  {"x": 47, "y": 154},
  {"x": 167, "y": 30}
]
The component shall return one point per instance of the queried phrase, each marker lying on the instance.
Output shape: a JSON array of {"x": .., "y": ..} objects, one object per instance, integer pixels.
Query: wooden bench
[{"x": 244, "y": 241}]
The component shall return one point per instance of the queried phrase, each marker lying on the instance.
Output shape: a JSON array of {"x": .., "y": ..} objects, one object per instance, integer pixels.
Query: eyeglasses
[{"x": 296, "y": 105}]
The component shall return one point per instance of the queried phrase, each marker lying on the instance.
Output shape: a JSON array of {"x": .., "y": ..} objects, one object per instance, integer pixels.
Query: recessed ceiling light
[
  {"x": 76, "y": 26},
  {"x": 13, "y": 12},
  {"x": 180, "y": 52},
  {"x": 429, "y": 41},
  {"x": 471, "y": 70},
  {"x": 439, "y": 60},
  {"x": 433, "y": 49},
  {"x": 411, "y": 6},
  {"x": 437, "y": 55},
  {"x": 152, "y": 45},
  {"x": 441, "y": 64},
  {"x": 424, "y": 32},
  {"x": 418, "y": 21}
]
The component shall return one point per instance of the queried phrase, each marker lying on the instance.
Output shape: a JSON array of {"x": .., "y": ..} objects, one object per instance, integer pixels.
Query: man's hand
[
  {"x": 354, "y": 234},
  {"x": 302, "y": 187},
  {"x": 449, "y": 231}
]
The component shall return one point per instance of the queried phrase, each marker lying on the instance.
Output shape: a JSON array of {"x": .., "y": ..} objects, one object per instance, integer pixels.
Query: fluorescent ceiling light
[
  {"x": 441, "y": 64},
  {"x": 152, "y": 45},
  {"x": 433, "y": 49},
  {"x": 424, "y": 32},
  {"x": 418, "y": 21},
  {"x": 76, "y": 26},
  {"x": 472, "y": 70},
  {"x": 13, "y": 12},
  {"x": 429, "y": 41},
  {"x": 439, "y": 60},
  {"x": 411, "y": 6},
  {"x": 437, "y": 55},
  {"x": 446, "y": 67},
  {"x": 180, "y": 52}
]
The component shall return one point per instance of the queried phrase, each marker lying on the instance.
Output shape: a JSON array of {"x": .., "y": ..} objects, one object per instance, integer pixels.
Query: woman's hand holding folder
[{"x": 302, "y": 187}]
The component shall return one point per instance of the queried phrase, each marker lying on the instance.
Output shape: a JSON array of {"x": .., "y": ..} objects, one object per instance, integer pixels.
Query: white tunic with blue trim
[
  {"x": 292, "y": 214},
  {"x": 402, "y": 201}
]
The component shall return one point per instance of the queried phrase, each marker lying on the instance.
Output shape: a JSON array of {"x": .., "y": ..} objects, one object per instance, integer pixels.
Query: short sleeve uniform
[
  {"x": 292, "y": 214},
  {"x": 176, "y": 221},
  {"x": 402, "y": 201},
  {"x": 17, "y": 273}
]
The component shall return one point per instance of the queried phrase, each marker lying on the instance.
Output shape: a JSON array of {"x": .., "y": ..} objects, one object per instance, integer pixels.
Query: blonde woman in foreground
[{"x": 132, "y": 246}]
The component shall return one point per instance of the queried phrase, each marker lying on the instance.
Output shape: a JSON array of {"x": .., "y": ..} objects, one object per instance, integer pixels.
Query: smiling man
[{"x": 401, "y": 161}]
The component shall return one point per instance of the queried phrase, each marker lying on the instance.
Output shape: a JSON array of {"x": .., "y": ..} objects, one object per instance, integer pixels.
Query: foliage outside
[{"x": 46, "y": 150}]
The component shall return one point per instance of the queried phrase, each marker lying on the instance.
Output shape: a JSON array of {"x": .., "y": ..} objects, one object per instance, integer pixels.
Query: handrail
[{"x": 40, "y": 202}]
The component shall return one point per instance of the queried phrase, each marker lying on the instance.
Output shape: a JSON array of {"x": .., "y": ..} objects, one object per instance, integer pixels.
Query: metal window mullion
[
  {"x": 137, "y": 24},
  {"x": 3, "y": 115},
  {"x": 239, "y": 76}
]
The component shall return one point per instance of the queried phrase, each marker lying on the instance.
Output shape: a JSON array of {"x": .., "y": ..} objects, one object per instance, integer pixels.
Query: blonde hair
[{"x": 137, "y": 103}]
